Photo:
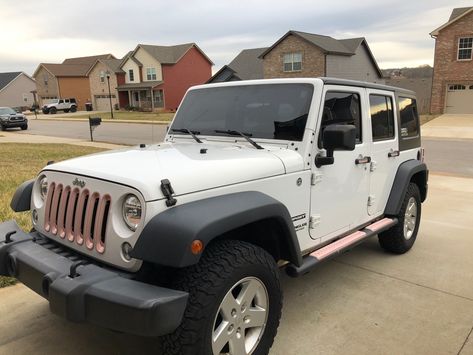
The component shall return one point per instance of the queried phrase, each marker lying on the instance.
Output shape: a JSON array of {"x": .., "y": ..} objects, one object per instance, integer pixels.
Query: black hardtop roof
[{"x": 364, "y": 84}]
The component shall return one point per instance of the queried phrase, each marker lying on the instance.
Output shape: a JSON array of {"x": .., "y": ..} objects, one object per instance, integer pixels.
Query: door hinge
[
  {"x": 371, "y": 199},
  {"x": 373, "y": 166},
  {"x": 314, "y": 221},
  {"x": 315, "y": 178}
]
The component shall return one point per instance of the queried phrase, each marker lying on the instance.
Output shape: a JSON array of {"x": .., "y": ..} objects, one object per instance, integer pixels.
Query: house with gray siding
[
  {"x": 16, "y": 90},
  {"x": 302, "y": 54}
]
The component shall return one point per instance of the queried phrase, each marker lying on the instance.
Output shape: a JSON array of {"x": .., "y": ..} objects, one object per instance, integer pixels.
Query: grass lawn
[
  {"x": 21, "y": 162},
  {"x": 126, "y": 115}
]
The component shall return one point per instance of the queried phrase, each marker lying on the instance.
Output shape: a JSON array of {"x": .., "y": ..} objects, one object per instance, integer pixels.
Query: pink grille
[{"x": 79, "y": 216}]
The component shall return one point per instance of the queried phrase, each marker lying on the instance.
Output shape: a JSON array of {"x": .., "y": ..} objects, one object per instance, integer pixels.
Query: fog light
[
  {"x": 126, "y": 251},
  {"x": 34, "y": 216}
]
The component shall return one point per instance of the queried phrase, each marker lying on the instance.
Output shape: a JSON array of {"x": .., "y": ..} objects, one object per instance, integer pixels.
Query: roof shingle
[
  {"x": 7, "y": 78},
  {"x": 458, "y": 12}
]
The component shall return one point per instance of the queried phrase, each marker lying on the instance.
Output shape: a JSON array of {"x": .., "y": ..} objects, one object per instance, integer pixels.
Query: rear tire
[
  {"x": 400, "y": 238},
  {"x": 73, "y": 109},
  {"x": 53, "y": 110},
  {"x": 235, "y": 302}
]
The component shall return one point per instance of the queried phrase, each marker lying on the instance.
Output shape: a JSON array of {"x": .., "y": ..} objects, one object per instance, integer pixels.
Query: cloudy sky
[{"x": 34, "y": 31}]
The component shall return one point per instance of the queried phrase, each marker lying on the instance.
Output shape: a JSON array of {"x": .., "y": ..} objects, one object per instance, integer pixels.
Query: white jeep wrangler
[
  {"x": 66, "y": 105},
  {"x": 186, "y": 238}
]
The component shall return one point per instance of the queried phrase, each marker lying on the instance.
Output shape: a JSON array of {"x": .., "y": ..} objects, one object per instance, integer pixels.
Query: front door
[
  {"x": 384, "y": 149},
  {"x": 340, "y": 191}
]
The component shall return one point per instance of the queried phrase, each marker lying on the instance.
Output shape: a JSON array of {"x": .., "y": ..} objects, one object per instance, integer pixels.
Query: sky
[{"x": 42, "y": 31}]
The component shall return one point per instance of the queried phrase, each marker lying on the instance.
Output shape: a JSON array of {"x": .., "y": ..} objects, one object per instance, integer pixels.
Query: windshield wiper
[
  {"x": 241, "y": 134},
  {"x": 188, "y": 131}
]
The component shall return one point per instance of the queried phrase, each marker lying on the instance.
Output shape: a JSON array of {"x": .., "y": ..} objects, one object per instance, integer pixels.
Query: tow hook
[{"x": 8, "y": 237}]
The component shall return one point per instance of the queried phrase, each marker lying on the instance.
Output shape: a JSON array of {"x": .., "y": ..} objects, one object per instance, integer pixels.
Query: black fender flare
[
  {"x": 21, "y": 200},
  {"x": 411, "y": 170},
  {"x": 166, "y": 239}
]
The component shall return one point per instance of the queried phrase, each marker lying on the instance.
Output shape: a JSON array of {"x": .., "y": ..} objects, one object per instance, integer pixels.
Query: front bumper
[
  {"x": 13, "y": 124},
  {"x": 95, "y": 294}
]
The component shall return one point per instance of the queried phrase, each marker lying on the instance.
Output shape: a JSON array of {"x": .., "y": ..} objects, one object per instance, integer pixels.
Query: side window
[
  {"x": 409, "y": 117},
  {"x": 341, "y": 108},
  {"x": 61, "y": 101},
  {"x": 382, "y": 117}
]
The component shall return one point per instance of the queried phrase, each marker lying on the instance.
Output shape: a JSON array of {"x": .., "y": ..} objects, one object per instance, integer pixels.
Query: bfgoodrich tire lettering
[
  {"x": 400, "y": 238},
  {"x": 225, "y": 269}
]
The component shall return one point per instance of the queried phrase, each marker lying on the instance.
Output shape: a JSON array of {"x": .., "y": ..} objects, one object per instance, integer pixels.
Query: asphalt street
[
  {"x": 452, "y": 157},
  {"x": 119, "y": 133}
]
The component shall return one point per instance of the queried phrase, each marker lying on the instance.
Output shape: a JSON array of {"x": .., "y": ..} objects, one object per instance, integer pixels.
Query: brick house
[
  {"x": 101, "y": 74},
  {"x": 157, "y": 77},
  {"x": 16, "y": 90},
  {"x": 67, "y": 79},
  {"x": 301, "y": 54},
  {"x": 452, "y": 86}
]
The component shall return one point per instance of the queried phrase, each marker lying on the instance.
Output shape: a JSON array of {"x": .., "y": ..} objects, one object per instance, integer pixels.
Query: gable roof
[
  {"x": 328, "y": 44},
  {"x": 248, "y": 64},
  {"x": 90, "y": 60},
  {"x": 7, "y": 78},
  {"x": 114, "y": 65},
  {"x": 456, "y": 14},
  {"x": 61, "y": 70},
  {"x": 170, "y": 54}
]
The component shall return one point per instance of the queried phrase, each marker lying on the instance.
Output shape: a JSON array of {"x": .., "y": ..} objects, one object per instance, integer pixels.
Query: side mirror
[{"x": 336, "y": 137}]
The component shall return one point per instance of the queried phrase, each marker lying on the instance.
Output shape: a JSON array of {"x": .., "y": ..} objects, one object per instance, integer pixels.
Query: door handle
[
  {"x": 363, "y": 160},
  {"x": 393, "y": 153}
]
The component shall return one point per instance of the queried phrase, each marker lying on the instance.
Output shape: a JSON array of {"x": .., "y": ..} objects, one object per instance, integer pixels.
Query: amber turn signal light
[{"x": 197, "y": 246}]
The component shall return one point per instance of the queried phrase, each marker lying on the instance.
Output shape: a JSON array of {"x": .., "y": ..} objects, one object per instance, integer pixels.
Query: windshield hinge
[{"x": 168, "y": 191}]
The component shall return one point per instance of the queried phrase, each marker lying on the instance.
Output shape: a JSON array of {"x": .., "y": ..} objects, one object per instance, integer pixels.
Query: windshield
[
  {"x": 7, "y": 111},
  {"x": 272, "y": 111}
]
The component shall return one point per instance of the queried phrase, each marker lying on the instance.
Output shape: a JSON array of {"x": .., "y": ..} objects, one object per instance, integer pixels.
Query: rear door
[
  {"x": 384, "y": 148},
  {"x": 339, "y": 192}
]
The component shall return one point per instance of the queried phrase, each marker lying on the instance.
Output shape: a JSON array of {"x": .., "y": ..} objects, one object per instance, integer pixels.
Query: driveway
[{"x": 449, "y": 126}]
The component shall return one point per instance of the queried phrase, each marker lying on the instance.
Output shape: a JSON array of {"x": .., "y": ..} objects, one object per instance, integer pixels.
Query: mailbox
[{"x": 94, "y": 122}]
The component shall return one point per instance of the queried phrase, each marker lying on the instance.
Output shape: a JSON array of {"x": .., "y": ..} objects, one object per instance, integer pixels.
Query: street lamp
[{"x": 109, "y": 93}]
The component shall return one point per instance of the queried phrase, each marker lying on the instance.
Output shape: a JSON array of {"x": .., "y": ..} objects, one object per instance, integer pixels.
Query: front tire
[
  {"x": 24, "y": 127},
  {"x": 400, "y": 238},
  {"x": 73, "y": 108},
  {"x": 234, "y": 305}
]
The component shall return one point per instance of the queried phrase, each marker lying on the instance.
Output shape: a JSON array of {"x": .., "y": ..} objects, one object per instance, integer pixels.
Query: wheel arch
[
  {"x": 249, "y": 216},
  {"x": 409, "y": 171}
]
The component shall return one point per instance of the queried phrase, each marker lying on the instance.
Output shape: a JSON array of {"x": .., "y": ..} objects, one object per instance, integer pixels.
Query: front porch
[{"x": 146, "y": 96}]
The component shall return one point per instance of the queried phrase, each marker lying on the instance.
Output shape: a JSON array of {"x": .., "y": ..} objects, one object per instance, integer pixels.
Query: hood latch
[{"x": 168, "y": 191}]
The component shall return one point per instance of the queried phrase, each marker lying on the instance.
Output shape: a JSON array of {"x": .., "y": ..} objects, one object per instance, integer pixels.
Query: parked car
[
  {"x": 185, "y": 238},
  {"x": 66, "y": 105},
  {"x": 9, "y": 118}
]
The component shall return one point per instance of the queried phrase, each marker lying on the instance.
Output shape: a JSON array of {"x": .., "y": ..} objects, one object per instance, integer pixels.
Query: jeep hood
[{"x": 185, "y": 165}]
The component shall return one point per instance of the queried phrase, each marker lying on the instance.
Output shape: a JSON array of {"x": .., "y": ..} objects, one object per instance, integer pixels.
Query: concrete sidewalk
[
  {"x": 364, "y": 302},
  {"x": 12, "y": 137},
  {"x": 449, "y": 127}
]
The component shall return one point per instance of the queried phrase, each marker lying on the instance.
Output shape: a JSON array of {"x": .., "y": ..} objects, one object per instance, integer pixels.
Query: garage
[
  {"x": 102, "y": 102},
  {"x": 459, "y": 98}
]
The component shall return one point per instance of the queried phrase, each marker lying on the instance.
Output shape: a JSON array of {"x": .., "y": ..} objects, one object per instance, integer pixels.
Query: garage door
[
  {"x": 459, "y": 98},
  {"x": 102, "y": 103}
]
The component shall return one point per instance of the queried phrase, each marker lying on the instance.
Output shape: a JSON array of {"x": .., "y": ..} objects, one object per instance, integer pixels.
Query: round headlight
[
  {"x": 132, "y": 211},
  {"x": 43, "y": 187}
]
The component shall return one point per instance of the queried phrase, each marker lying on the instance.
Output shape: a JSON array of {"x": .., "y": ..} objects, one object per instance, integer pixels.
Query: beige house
[
  {"x": 16, "y": 90},
  {"x": 104, "y": 77}
]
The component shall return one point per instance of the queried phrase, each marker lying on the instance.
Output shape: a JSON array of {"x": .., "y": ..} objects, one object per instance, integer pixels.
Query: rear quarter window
[{"x": 409, "y": 117}]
